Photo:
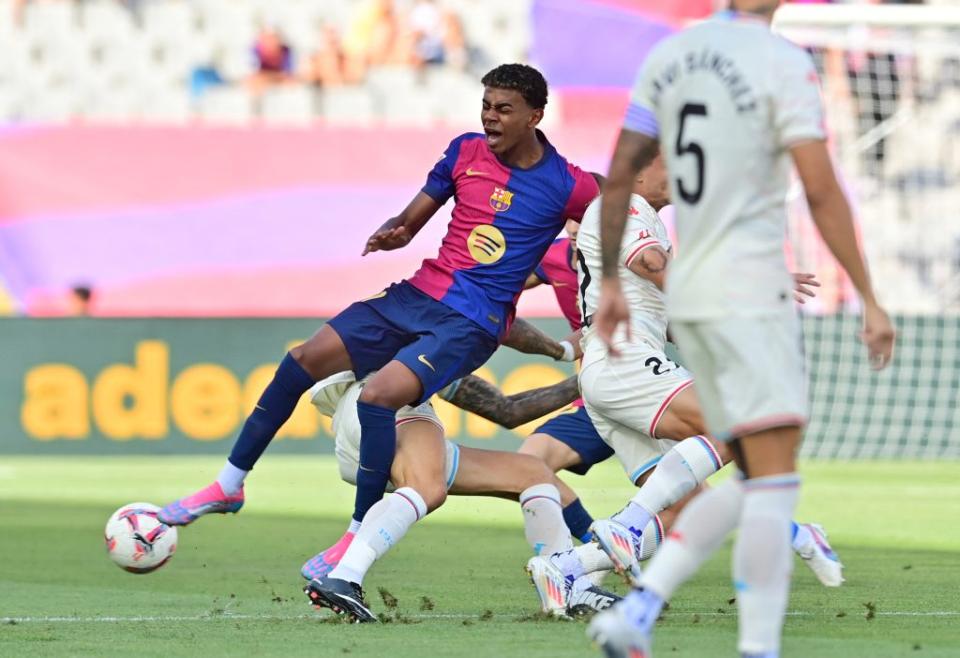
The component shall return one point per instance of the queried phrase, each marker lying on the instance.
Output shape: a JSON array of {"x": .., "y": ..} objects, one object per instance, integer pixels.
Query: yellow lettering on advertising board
[
  {"x": 131, "y": 401},
  {"x": 55, "y": 403},
  {"x": 205, "y": 402}
]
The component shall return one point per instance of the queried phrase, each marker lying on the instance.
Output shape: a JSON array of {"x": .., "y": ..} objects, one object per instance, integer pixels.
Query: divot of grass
[
  {"x": 389, "y": 599},
  {"x": 871, "y": 610},
  {"x": 426, "y": 604}
]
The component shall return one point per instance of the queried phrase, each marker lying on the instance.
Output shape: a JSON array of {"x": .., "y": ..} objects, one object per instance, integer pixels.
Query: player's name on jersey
[{"x": 710, "y": 61}]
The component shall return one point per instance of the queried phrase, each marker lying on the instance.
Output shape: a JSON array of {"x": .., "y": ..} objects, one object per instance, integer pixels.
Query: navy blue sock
[
  {"x": 274, "y": 407},
  {"x": 578, "y": 520},
  {"x": 378, "y": 445}
]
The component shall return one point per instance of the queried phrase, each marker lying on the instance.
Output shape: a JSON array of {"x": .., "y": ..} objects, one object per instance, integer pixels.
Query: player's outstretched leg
[
  {"x": 326, "y": 353},
  {"x": 681, "y": 470},
  {"x": 810, "y": 543}
]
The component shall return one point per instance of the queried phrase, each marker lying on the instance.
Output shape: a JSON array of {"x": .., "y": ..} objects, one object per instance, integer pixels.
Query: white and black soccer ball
[{"x": 137, "y": 541}]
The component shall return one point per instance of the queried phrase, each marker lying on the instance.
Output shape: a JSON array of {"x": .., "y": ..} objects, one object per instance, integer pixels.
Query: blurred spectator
[
  {"x": 327, "y": 65},
  {"x": 274, "y": 61},
  {"x": 81, "y": 299},
  {"x": 427, "y": 29},
  {"x": 457, "y": 54},
  {"x": 373, "y": 38}
]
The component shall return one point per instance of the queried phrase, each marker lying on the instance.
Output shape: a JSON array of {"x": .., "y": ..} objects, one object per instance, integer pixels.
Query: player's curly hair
[{"x": 522, "y": 78}]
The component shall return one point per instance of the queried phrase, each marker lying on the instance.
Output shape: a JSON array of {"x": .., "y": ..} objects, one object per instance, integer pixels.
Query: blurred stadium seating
[{"x": 101, "y": 61}]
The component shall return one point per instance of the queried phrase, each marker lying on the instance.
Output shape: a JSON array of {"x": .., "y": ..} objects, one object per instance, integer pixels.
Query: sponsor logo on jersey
[
  {"x": 486, "y": 244},
  {"x": 501, "y": 199},
  {"x": 474, "y": 172},
  {"x": 644, "y": 234}
]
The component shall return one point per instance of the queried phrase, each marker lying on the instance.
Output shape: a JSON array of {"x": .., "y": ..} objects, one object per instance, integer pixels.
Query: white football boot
[
  {"x": 551, "y": 584},
  {"x": 817, "y": 554},
  {"x": 622, "y": 546}
]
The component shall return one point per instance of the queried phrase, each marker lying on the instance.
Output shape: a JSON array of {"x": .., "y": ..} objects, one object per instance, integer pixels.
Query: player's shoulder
[{"x": 465, "y": 143}]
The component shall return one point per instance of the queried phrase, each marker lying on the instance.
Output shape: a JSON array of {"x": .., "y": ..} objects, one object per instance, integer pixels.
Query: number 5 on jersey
[{"x": 691, "y": 196}]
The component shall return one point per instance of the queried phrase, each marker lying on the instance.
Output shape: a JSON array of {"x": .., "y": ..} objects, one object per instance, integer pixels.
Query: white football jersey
[
  {"x": 648, "y": 314},
  {"x": 727, "y": 98}
]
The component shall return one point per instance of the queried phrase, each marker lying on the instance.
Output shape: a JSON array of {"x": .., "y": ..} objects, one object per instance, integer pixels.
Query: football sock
[
  {"x": 762, "y": 561},
  {"x": 385, "y": 524},
  {"x": 582, "y": 560},
  {"x": 578, "y": 520},
  {"x": 697, "y": 534},
  {"x": 354, "y": 527},
  {"x": 652, "y": 538},
  {"x": 800, "y": 536},
  {"x": 273, "y": 409},
  {"x": 543, "y": 520},
  {"x": 231, "y": 478},
  {"x": 680, "y": 471},
  {"x": 378, "y": 445},
  {"x": 642, "y": 608}
]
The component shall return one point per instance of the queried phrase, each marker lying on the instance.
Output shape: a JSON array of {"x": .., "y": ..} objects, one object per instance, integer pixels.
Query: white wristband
[{"x": 568, "y": 353}]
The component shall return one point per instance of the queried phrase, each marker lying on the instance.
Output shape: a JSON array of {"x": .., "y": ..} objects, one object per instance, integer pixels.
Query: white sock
[
  {"x": 697, "y": 534},
  {"x": 543, "y": 522},
  {"x": 680, "y": 471},
  {"x": 763, "y": 561},
  {"x": 651, "y": 539},
  {"x": 384, "y": 525},
  {"x": 231, "y": 478},
  {"x": 354, "y": 527}
]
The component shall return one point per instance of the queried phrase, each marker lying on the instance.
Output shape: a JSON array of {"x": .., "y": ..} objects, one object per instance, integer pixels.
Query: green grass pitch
[{"x": 233, "y": 587}]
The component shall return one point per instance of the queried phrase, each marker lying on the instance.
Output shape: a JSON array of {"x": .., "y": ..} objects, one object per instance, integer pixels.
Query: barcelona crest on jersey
[{"x": 501, "y": 199}]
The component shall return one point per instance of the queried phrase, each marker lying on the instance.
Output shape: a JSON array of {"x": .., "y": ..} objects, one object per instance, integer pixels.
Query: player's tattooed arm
[
  {"x": 397, "y": 231},
  {"x": 526, "y": 338},
  {"x": 651, "y": 264},
  {"x": 482, "y": 398}
]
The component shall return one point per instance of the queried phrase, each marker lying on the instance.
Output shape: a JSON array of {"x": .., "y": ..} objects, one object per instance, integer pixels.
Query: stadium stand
[{"x": 174, "y": 61}]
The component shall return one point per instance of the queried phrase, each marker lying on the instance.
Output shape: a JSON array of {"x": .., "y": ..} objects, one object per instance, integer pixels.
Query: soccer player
[
  {"x": 428, "y": 467},
  {"x": 731, "y": 104},
  {"x": 512, "y": 193},
  {"x": 639, "y": 399}
]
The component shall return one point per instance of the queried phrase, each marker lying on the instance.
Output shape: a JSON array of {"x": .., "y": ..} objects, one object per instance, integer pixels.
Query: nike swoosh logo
[
  {"x": 474, "y": 172},
  {"x": 257, "y": 406},
  {"x": 557, "y": 284},
  {"x": 423, "y": 359}
]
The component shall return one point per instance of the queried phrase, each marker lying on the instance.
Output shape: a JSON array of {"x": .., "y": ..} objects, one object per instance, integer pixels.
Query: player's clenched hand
[
  {"x": 387, "y": 238},
  {"x": 802, "y": 284},
  {"x": 878, "y": 335},
  {"x": 611, "y": 311},
  {"x": 575, "y": 351}
]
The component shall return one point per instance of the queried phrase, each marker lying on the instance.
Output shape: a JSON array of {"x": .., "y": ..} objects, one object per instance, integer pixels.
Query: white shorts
[
  {"x": 346, "y": 429},
  {"x": 750, "y": 372},
  {"x": 626, "y": 396}
]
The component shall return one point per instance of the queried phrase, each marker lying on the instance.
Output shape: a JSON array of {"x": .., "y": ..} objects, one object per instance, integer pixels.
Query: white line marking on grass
[{"x": 244, "y": 617}]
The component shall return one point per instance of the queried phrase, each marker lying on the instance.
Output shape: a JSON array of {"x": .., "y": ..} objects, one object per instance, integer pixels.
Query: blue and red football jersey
[{"x": 503, "y": 222}]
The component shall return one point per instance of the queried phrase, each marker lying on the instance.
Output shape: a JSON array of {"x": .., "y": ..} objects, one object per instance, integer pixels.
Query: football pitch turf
[{"x": 456, "y": 583}]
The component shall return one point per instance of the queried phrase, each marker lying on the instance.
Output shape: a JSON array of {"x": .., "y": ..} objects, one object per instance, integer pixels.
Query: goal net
[{"x": 891, "y": 89}]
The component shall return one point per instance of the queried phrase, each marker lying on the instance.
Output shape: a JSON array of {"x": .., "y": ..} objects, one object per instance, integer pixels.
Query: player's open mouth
[{"x": 493, "y": 136}]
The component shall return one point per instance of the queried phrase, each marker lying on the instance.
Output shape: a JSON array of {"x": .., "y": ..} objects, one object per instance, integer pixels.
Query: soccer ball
[{"x": 136, "y": 541}]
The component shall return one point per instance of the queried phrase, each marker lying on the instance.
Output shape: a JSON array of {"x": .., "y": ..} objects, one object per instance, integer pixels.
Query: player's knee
[
  {"x": 534, "y": 471},
  {"x": 434, "y": 494},
  {"x": 546, "y": 449},
  {"x": 381, "y": 396}
]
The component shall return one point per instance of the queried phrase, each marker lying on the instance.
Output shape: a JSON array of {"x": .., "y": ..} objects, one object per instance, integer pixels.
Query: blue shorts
[
  {"x": 575, "y": 429},
  {"x": 404, "y": 324}
]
